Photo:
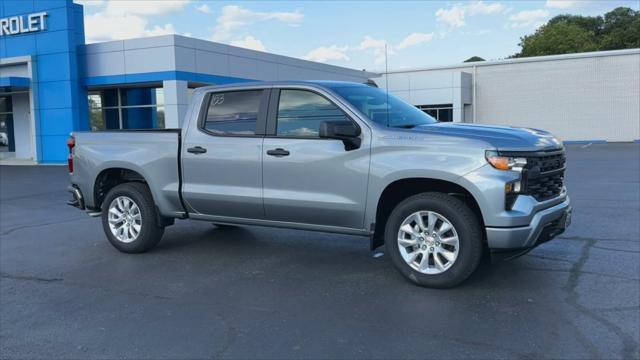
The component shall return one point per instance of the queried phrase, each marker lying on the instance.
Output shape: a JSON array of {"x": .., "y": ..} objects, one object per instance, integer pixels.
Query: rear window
[{"x": 233, "y": 113}]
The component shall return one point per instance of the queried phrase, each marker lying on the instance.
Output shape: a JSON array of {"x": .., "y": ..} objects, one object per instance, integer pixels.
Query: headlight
[{"x": 505, "y": 162}]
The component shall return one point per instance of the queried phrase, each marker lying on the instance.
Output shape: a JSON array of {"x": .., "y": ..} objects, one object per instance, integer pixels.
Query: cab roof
[{"x": 266, "y": 84}]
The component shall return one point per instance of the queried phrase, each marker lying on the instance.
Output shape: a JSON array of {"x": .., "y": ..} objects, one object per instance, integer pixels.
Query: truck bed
[{"x": 153, "y": 153}]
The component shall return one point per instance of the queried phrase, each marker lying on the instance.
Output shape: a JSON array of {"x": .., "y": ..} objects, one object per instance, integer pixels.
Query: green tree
[
  {"x": 589, "y": 23},
  {"x": 559, "y": 38},
  {"x": 564, "y": 34},
  {"x": 621, "y": 29},
  {"x": 474, "y": 59}
]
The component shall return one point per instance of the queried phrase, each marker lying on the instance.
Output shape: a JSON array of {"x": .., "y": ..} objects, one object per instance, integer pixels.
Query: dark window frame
[
  {"x": 272, "y": 119},
  {"x": 261, "y": 119},
  {"x": 119, "y": 107}
]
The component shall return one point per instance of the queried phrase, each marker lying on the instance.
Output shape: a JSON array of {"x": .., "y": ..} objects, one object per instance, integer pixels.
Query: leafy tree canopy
[
  {"x": 474, "y": 59},
  {"x": 564, "y": 34}
]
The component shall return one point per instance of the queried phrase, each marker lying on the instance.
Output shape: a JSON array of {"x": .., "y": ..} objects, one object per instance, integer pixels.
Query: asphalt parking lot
[{"x": 251, "y": 292}]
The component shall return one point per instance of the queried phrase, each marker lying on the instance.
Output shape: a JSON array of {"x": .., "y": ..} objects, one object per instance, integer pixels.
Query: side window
[
  {"x": 233, "y": 113},
  {"x": 300, "y": 113}
]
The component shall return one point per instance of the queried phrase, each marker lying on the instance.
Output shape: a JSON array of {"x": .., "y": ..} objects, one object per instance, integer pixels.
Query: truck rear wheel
[
  {"x": 129, "y": 218},
  {"x": 434, "y": 240}
]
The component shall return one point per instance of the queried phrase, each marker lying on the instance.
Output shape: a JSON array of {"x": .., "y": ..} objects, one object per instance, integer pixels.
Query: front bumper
[{"x": 544, "y": 226}]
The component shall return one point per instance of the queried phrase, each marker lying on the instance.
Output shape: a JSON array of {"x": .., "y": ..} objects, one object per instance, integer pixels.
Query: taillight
[{"x": 71, "y": 143}]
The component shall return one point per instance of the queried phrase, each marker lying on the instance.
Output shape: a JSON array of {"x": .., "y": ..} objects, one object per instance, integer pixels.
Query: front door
[
  {"x": 308, "y": 179},
  {"x": 222, "y": 158}
]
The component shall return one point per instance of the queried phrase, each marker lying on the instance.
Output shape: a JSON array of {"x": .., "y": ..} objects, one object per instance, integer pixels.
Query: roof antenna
[{"x": 386, "y": 78}]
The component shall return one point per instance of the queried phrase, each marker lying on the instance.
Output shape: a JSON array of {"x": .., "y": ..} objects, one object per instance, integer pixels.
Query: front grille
[
  {"x": 543, "y": 176},
  {"x": 546, "y": 187},
  {"x": 547, "y": 162}
]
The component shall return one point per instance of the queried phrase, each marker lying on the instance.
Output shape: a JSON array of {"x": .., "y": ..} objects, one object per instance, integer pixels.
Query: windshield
[{"x": 382, "y": 108}]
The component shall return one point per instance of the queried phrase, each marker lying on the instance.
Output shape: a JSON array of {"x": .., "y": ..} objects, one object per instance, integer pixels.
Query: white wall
[
  {"x": 589, "y": 96},
  {"x": 179, "y": 53},
  {"x": 176, "y": 101},
  {"x": 432, "y": 88}
]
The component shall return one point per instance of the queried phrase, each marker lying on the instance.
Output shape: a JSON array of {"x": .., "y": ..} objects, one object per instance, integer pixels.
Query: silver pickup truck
[{"x": 329, "y": 156}]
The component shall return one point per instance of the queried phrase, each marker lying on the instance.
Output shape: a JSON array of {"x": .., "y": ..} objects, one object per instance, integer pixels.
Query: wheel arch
[
  {"x": 401, "y": 189},
  {"x": 111, "y": 177}
]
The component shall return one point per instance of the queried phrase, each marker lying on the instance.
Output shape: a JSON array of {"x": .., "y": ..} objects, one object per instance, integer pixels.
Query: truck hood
[{"x": 501, "y": 137}]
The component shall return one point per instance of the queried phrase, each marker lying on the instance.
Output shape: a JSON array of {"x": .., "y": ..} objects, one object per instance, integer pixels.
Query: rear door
[
  {"x": 308, "y": 179},
  {"x": 222, "y": 158}
]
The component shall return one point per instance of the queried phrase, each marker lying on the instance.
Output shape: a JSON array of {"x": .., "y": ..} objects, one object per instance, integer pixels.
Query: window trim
[
  {"x": 272, "y": 120},
  {"x": 260, "y": 121}
]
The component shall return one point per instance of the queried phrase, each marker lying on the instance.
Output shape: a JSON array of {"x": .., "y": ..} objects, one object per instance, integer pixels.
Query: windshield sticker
[{"x": 217, "y": 100}]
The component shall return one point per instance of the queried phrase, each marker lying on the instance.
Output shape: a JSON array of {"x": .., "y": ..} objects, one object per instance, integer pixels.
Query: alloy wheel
[
  {"x": 125, "y": 219},
  {"x": 428, "y": 242}
]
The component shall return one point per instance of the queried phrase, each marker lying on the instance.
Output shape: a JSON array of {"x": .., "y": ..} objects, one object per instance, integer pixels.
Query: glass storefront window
[
  {"x": 160, "y": 117},
  {"x": 443, "y": 113},
  {"x": 96, "y": 120},
  {"x": 6, "y": 124},
  {"x": 141, "y": 118},
  {"x": 3, "y": 122},
  {"x": 141, "y": 96},
  {"x": 126, "y": 108},
  {"x": 111, "y": 119},
  {"x": 110, "y": 97},
  {"x": 95, "y": 100},
  {"x": 5, "y": 104}
]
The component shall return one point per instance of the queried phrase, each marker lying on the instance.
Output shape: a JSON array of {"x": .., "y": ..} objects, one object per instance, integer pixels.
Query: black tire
[
  {"x": 151, "y": 230},
  {"x": 463, "y": 220}
]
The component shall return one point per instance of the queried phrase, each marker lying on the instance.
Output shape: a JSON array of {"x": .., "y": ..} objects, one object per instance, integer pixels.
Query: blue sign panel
[{"x": 52, "y": 33}]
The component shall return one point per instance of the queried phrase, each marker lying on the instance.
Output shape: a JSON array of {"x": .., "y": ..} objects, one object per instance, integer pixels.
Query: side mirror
[{"x": 343, "y": 130}]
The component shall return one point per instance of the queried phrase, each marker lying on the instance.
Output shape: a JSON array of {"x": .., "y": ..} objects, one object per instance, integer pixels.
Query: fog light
[
  {"x": 512, "y": 187},
  {"x": 511, "y": 191}
]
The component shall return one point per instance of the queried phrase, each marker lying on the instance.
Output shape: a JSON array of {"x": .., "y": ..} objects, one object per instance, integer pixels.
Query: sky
[{"x": 345, "y": 33}]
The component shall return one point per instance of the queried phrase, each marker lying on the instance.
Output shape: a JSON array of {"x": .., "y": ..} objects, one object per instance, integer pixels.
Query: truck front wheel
[
  {"x": 129, "y": 218},
  {"x": 434, "y": 239}
]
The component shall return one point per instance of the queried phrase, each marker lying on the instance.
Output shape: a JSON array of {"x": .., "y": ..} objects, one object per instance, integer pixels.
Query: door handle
[
  {"x": 278, "y": 152},
  {"x": 197, "y": 150}
]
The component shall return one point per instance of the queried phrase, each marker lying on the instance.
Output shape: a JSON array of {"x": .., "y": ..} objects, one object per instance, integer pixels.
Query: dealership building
[
  {"x": 587, "y": 97},
  {"x": 52, "y": 83}
]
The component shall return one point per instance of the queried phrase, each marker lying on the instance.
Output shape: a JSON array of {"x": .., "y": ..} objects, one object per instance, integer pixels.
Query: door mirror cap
[
  {"x": 338, "y": 129},
  {"x": 343, "y": 130}
]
